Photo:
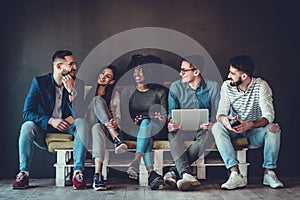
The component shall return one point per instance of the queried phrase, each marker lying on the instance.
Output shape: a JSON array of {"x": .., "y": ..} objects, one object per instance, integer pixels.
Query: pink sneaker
[
  {"x": 21, "y": 182},
  {"x": 78, "y": 181}
]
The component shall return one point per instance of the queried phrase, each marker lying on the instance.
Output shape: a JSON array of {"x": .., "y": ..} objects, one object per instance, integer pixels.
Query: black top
[
  {"x": 141, "y": 102},
  {"x": 135, "y": 103}
]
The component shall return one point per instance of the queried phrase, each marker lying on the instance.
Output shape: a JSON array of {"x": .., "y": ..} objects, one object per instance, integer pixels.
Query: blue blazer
[{"x": 40, "y": 101}]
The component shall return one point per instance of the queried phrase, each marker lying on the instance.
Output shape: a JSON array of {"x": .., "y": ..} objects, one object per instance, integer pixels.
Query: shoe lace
[
  {"x": 234, "y": 177},
  {"x": 135, "y": 164},
  {"x": 98, "y": 180},
  {"x": 79, "y": 177},
  {"x": 274, "y": 177},
  {"x": 171, "y": 175},
  {"x": 20, "y": 176},
  {"x": 189, "y": 177},
  {"x": 118, "y": 140}
]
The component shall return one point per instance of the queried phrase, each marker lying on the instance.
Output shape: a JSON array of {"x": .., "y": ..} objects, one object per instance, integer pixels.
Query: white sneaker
[
  {"x": 271, "y": 180},
  {"x": 170, "y": 180},
  {"x": 188, "y": 182},
  {"x": 120, "y": 145},
  {"x": 133, "y": 169},
  {"x": 235, "y": 181},
  {"x": 121, "y": 148}
]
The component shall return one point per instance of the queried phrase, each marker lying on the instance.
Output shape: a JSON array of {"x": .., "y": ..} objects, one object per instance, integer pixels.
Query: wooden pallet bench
[{"x": 62, "y": 145}]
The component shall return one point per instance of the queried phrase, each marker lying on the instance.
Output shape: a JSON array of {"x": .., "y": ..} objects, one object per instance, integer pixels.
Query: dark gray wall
[{"x": 32, "y": 30}]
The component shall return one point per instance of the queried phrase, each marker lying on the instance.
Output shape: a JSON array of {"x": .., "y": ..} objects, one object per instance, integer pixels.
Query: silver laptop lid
[{"x": 190, "y": 119}]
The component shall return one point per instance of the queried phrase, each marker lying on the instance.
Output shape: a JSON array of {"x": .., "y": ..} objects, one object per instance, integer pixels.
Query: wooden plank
[{"x": 123, "y": 188}]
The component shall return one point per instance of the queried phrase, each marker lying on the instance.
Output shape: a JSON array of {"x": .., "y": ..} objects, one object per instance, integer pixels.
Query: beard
[
  {"x": 237, "y": 83},
  {"x": 72, "y": 73}
]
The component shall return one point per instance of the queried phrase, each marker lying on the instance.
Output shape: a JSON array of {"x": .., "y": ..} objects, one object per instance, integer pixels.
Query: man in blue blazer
[{"x": 47, "y": 105}]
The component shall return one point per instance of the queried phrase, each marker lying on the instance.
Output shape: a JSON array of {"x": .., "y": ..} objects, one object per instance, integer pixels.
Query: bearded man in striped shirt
[{"x": 246, "y": 110}]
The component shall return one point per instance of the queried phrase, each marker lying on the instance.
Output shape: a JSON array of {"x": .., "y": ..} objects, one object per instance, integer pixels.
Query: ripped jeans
[
  {"x": 32, "y": 134},
  {"x": 257, "y": 137}
]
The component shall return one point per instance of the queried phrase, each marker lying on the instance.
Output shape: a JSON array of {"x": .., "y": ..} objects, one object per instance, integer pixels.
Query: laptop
[{"x": 190, "y": 119}]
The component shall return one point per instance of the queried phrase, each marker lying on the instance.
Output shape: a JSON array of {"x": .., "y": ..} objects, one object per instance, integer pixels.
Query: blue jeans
[
  {"x": 144, "y": 142},
  {"x": 256, "y": 137},
  {"x": 184, "y": 155},
  {"x": 32, "y": 134}
]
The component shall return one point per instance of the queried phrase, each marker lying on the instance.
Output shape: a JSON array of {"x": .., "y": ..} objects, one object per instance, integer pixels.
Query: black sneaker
[
  {"x": 120, "y": 146},
  {"x": 133, "y": 169},
  {"x": 170, "y": 180},
  {"x": 155, "y": 180},
  {"x": 98, "y": 183}
]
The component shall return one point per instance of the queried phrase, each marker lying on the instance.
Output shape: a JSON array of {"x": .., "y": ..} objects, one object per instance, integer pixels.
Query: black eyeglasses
[{"x": 187, "y": 70}]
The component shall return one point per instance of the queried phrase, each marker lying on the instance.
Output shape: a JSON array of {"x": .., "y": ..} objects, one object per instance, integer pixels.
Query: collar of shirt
[{"x": 202, "y": 85}]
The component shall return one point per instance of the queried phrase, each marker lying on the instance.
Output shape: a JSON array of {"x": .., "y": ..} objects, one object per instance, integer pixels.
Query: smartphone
[
  {"x": 235, "y": 124},
  {"x": 143, "y": 117}
]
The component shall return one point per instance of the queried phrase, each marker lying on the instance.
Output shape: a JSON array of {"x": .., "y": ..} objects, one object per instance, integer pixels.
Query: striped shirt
[{"x": 250, "y": 105}]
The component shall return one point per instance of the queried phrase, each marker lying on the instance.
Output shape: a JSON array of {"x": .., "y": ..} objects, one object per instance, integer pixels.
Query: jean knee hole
[{"x": 274, "y": 128}]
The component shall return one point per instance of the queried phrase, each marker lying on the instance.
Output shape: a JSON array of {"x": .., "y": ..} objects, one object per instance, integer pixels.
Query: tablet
[{"x": 190, "y": 119}]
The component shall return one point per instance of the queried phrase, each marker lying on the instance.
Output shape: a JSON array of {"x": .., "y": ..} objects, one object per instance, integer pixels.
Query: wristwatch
[{"x": 73, "y": 93}]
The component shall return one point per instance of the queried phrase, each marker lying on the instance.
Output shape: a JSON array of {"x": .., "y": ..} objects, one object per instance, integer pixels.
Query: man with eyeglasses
[
  {"x": 191, "y": 92},
  {"x": 48, "y": 104}
]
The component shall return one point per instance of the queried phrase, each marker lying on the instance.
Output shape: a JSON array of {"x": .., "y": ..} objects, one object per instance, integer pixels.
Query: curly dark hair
[{"x": 139, "y": 59}]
